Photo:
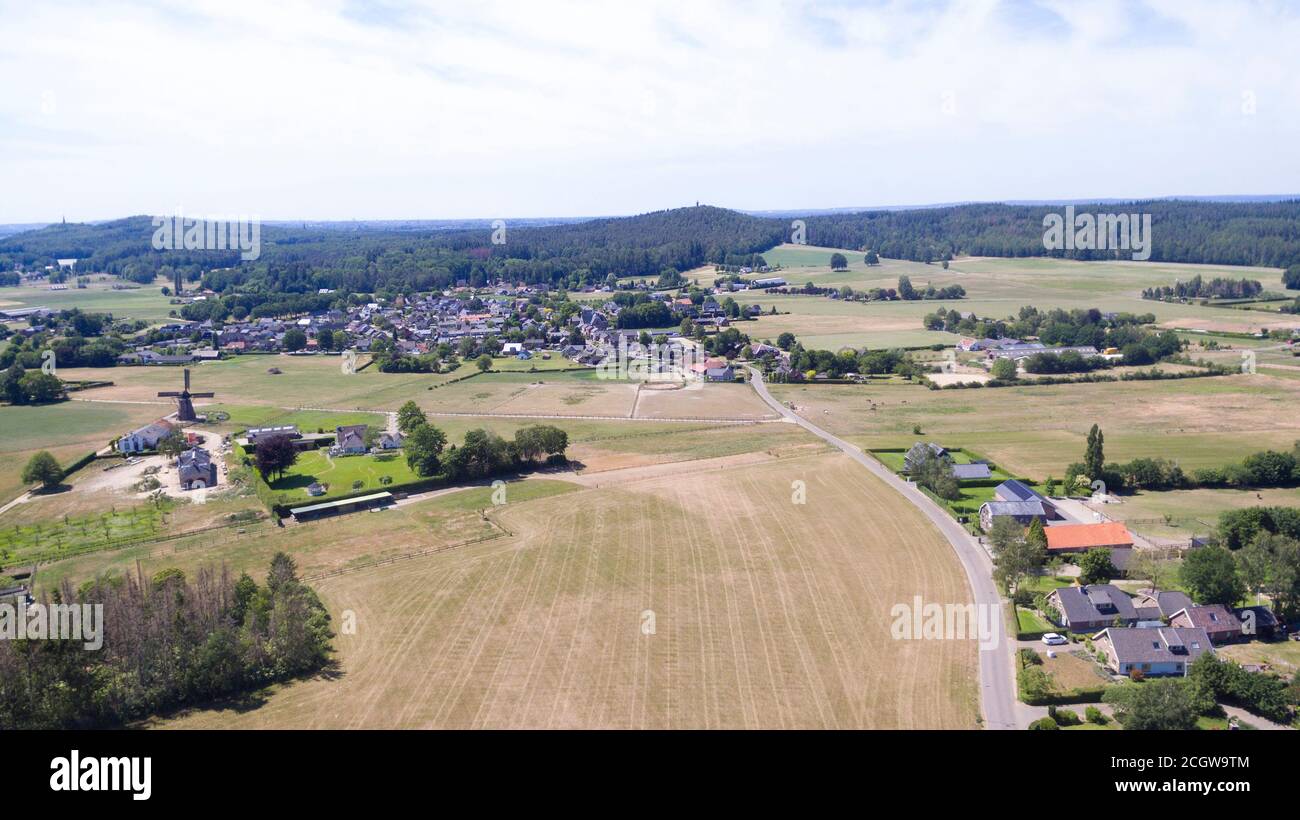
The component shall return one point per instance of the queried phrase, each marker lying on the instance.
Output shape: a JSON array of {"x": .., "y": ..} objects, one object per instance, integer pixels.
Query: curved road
[{"x": 997, "y": 680}]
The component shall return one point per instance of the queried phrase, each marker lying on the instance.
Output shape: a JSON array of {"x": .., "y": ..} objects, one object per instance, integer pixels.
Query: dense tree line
[
  {"x": 168, "y": 641},
  {"x": 301, "y": 260},
  {"x": 1227, "y": 233},
  {"x": 1199, "y": 288}
]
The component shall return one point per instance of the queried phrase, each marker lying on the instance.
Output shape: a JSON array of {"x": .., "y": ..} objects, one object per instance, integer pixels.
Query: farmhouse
[
  {"x": 1023, "y": 512},
  {"x": 145, "y": 438},
  {"x": 1164, "y": 651},
  {"x": 350, "y": 439},
  {"x": 196, "y": 469},
  {"x": 1082, "y": 609},
  {"x": 1221, "y": 625},
  {"x": 919, "y": 452}
]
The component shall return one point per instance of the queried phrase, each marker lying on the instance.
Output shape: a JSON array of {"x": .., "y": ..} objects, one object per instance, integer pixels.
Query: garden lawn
[{"x": 339, "y": 473}]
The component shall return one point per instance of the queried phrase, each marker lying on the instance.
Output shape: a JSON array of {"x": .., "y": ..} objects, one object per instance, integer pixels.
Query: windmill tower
[{"x": 184, "y": 403}]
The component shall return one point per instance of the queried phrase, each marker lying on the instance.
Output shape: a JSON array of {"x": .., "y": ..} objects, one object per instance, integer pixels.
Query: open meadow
[
  {"x": 994, "y": 287},
  {"x": 1037, "y": 431},
  {"x": 706, "y": 600}
]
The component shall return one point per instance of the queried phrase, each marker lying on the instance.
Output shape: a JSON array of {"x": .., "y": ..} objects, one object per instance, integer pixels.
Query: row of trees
[
  {"x": 482, "y": 453},
  {"x": 168, "y": 641},
  {"x": 1198, "y": 288}
]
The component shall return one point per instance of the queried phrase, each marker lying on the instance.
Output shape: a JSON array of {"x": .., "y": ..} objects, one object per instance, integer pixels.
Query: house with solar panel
[{"x": 1018, "y": 501}]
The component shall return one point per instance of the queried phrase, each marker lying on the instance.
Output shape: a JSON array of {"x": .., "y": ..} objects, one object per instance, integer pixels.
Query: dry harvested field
[
  {"x": 711, "y": 401},
  {"x": 765, "y": 614}
]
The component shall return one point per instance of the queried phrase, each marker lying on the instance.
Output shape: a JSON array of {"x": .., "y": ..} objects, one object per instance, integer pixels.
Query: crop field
[
  {"x": 701, "y": 601},
  {"x": 994, "y": 287},
  {"x": 1037, "y": 431}
]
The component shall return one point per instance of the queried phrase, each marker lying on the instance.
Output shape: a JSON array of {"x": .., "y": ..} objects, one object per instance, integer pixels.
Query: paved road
[{"x": 997, "y": 681}]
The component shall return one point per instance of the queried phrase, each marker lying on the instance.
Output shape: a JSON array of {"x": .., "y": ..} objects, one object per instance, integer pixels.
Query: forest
[{"x": 369, "y": 259}]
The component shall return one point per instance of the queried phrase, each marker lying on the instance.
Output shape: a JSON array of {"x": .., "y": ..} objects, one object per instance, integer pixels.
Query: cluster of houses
[
  {"x": 417, "y": 325},
  {"x": 346, "y": 440},
  {"x": 195, "y": 465},
  {"x": 1158, "y": 632}
]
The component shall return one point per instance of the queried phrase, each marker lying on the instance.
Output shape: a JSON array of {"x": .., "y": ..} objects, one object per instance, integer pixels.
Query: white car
[{"x": 1053, "y": 639}]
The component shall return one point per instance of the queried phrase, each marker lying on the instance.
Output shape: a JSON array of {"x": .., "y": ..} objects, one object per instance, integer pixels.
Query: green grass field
[
  {"x": 68, "y": 536},
  {"x": 340, "y": 472},
  {"x": 67, "y": 429},
  {"x": 145, "y": 302},
  {"x": 994, "y": 287}
]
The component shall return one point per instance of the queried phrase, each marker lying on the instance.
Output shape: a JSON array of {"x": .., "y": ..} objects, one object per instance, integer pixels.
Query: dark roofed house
[
  {"x": 1088, "y": 608},
  {"x": 1014, "y": 489},
  {"x": 1023, "y": 512},
  {"x": 1164, "y": 604},
  {"x": 967, "y": 472},
  {"x": 196, "y": 469},
  {"x": 1257, "y": 621},
  {"x": 1218, "y": 622},
  {"x": 919, "y": 451},
  {"x": 350, "y": 439},
  {"x": 1164, "y": 651}
]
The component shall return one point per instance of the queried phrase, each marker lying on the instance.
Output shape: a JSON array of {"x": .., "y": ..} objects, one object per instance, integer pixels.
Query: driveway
[{"x": 997, "y": 679}]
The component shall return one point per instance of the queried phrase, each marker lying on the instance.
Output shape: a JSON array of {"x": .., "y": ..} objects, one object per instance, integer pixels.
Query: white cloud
[{"x": 450, "y": 109}]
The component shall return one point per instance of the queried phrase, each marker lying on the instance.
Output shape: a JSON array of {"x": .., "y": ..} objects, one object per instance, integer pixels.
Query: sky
[{"x": 490, "y": 109}]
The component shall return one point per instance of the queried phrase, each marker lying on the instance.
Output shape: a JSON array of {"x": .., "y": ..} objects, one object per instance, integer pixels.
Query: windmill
[{"x": 184, "y": 405}]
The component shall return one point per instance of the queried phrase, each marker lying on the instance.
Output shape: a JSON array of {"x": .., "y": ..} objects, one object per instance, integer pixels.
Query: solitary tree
[
  {"x": 409, "y": 417},
  {"x": 1004, "y": 370},
  {"x": 275, "y": 455},
  {"x": 423, "y": 449},
  {"x": 838, "y": 261},
  {"x": 1094, "y": 458},
  {"x": 44, "y": 468},
  {"x": 483, "y": 363}
]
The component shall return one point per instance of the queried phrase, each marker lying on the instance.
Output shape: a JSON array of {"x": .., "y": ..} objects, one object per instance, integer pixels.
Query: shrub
[
  {"x": 1043, "y": 724},
  {"x": 1029, "y": 657},
  {"x": 1067, "y": 717},
  {"x": 1094, "y": 715},
  {"x": 358, "y": 484}
]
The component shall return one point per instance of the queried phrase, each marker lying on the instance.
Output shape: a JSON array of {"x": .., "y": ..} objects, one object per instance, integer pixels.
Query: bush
[
  {"x": 1029, "y": 657},
  {"x": 1065, "y": 717},
  {"x": 1094, "y": 715},
  {"x": 1043, "y": 724},
  {"x": 358, "y": 484}
]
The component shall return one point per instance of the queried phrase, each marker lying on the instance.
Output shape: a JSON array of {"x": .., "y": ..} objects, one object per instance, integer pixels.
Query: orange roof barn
[{"x": 1068, "y": 537}]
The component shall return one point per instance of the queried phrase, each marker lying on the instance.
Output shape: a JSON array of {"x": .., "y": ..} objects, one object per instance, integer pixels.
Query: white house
[{"x": 145, "y": 438}]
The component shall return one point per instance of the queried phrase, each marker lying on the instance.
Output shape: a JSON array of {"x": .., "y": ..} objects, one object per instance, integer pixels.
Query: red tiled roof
[{"x": 1087, "y": 536}]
